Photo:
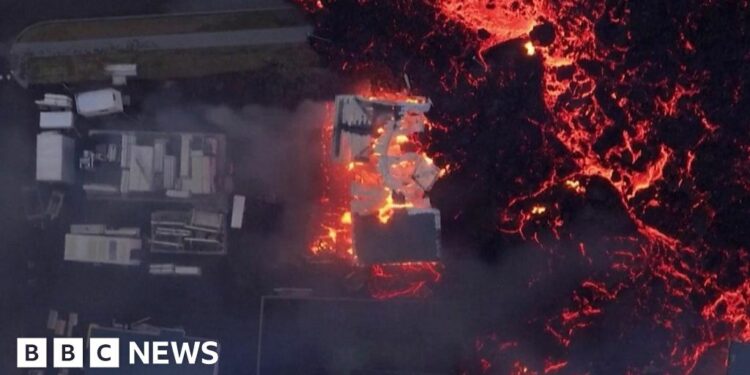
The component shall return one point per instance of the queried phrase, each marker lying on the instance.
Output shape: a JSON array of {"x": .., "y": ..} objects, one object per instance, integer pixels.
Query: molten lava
[{"x": 609, "y": 138}]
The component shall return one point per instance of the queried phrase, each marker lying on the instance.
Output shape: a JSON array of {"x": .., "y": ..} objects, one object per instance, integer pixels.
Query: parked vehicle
[{"x": 99, "y": 102}]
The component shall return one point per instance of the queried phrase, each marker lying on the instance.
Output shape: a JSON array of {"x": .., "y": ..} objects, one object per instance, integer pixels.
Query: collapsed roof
[{"x": 375, "y": 138}]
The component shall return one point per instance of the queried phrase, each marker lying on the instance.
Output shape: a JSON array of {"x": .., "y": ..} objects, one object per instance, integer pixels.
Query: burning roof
[
  {"x": 373, "y": 138},
  {"x": 377, "y": 214}
]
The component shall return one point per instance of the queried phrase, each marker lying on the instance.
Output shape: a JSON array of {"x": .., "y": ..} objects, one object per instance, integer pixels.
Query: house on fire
[{"x": 392, "y": 219}]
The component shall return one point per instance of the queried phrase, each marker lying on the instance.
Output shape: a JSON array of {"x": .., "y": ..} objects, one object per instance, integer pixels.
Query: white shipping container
[
  {"x": 56, "y": 120},
  {"x": 170, "y": 165},
  {"x": 185, "y": 155},
  {"x": 160, "y": 148},
  {"x": 238, "y": 211},
  {"x": 55, "y": 158},
  {"x": 196, "y": 174},
  {"x": 101, "y": 249}
]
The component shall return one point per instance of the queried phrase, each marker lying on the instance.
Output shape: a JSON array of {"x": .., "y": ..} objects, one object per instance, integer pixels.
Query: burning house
[{"x": 391, "y": 215}]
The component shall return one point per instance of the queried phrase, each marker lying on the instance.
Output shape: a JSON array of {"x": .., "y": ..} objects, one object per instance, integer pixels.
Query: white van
[{"x": 99, "y": 102}]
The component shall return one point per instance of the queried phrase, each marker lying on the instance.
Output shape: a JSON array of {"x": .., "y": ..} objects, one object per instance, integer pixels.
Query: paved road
[{"x": 165, "y": 42}]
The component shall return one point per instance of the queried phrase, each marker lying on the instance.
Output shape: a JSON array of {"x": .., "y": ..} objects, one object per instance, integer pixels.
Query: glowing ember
[
  {"x": 403, "y": 280},
  {"x": 530, "y": 50},
  {"x": 333, "y": 238}
]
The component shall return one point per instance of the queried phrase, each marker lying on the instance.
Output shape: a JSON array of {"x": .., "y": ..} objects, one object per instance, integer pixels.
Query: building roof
[
  {"x": 55, "y": 154},
  {"x": 411, "y": 235}
]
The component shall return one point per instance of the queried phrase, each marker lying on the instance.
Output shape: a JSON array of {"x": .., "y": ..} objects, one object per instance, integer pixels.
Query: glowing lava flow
[
  {"x": 628, "y": 167},
  {"x": 403, "y": 280},
  {"x": 642, "y": 127},
  {"x": 494, "y": 21},
  {"x": 333, "y": 240}
]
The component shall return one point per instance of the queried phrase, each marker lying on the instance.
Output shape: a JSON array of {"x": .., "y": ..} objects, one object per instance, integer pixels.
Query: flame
[
  {"x": 529, "y": 47},
  {"x": 346, "y": 218},
  {"x": 333, "y": 236},
  {"x": 386, "y": 211},
  {"x": 575, "y": 185},
  {"x": 538, "y": 210}
]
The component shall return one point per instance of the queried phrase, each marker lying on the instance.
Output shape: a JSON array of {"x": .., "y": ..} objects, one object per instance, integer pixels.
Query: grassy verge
[
  {"x": 167, "y": 64},
  {"x": 181, "y": 24}
]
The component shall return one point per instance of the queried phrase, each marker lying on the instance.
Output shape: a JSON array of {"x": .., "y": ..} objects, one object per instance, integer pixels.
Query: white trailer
[
  {"x": 102, "y": 249},
  {"x": 59, "y": 120},
  {"x": 55, "y": 155},
  {"x": 238, "y": 211}
]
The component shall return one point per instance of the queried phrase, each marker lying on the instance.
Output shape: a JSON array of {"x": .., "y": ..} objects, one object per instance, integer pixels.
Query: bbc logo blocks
[
  {"x": 67, "y": 353},
  {"x": 31, "y": 353},
  {"x": 104, "y": 353}
]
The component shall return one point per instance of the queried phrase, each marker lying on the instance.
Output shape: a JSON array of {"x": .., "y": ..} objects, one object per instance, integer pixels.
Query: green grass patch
[
  {"x": 141, "y": 26},
  {"x": 169, "y": 64}
]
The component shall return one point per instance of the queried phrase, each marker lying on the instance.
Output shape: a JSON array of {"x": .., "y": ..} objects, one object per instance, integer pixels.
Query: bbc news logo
[{"x": 105, "y": 353}]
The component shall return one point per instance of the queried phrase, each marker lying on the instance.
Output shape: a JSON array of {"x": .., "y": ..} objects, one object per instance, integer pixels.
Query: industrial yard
[{"x": 376, "y": 188}]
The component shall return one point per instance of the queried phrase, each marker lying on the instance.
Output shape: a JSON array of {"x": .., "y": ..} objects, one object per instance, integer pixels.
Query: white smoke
[{"x": 276, "y": 154}]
